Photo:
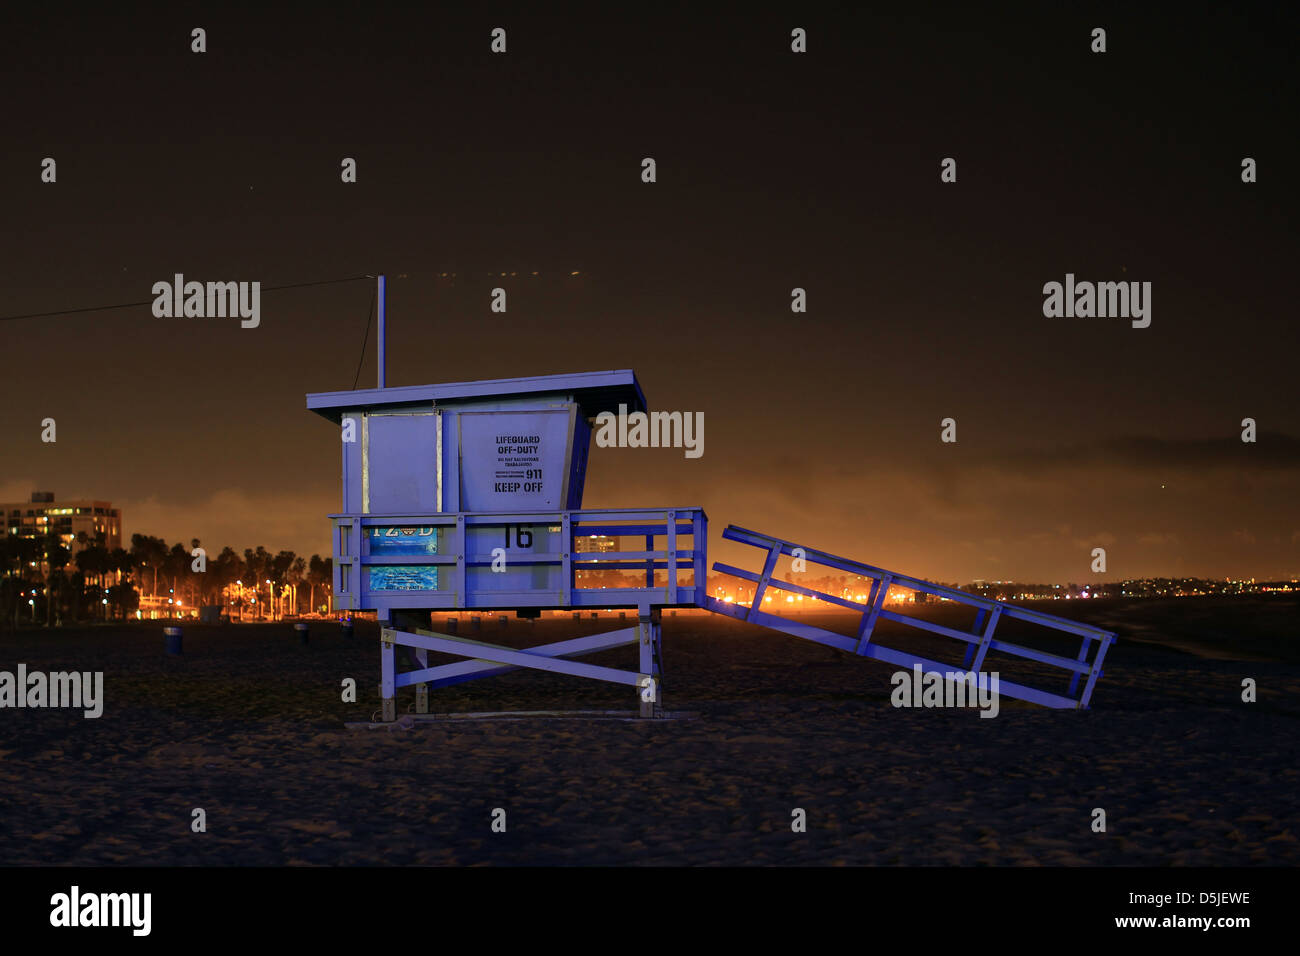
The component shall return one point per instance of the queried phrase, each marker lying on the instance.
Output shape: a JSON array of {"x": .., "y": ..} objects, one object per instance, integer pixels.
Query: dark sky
[{"x": 775, "y": 170}]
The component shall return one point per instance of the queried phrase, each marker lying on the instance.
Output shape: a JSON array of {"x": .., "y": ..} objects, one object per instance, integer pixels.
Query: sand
[{"x": 248, "y": 725}]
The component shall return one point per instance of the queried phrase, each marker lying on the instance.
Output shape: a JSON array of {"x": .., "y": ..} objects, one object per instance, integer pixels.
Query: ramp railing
[{"x": 979, "y": 641}]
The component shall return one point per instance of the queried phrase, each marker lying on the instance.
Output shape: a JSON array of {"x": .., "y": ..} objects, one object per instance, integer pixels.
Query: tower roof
[{"x": 595, "y": 392}]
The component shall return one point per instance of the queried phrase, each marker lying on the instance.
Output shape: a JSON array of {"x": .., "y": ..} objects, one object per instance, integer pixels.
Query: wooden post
[
  {"x": 980, "y": 617},
  {"x": 388, "y": 674},
  {"x": 648, "y": 635}
]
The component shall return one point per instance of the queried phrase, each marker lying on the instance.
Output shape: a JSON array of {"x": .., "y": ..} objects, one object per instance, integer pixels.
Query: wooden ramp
[{"x": 1083, "y": 670}]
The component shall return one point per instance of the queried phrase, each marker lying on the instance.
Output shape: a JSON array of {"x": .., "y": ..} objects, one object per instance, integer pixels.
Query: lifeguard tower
[{"x": 468, "y": 496}]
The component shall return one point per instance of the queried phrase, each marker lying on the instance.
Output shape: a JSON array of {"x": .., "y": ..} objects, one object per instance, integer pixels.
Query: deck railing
[{"x": 466, "y": 560}]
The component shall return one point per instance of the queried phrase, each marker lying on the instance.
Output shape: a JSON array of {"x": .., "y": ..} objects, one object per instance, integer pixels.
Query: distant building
[
  {"x": 43, "y": 515},
  {"x": 596, "y": 543}
]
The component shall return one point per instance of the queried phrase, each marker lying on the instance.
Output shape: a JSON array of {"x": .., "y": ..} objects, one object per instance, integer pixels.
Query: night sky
[{"x": 775, "y": 170}]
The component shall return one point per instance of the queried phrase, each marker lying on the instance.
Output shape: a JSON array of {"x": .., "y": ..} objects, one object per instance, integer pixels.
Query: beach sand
[{"x": 248, "y": 726}]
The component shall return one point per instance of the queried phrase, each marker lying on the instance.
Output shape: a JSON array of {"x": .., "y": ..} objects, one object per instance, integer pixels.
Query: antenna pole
[{"x": 381, "y": 330}]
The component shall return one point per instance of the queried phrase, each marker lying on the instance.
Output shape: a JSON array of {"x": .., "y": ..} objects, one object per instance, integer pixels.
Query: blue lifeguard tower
[{"x": 468, "y": 496}]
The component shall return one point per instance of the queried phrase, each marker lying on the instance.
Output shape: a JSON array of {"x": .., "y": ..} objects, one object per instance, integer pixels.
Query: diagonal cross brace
[
  {"x": 769, "y": 568},
  {"x": 879, "y": 591},
  {"x": 502, "y": 655},
  {"x": 445, "y": 675}
]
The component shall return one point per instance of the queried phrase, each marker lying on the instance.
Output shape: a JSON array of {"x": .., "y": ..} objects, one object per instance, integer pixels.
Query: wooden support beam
[
  {"x": 461, "y": 648},
  {"x": 461, "y": 671}
]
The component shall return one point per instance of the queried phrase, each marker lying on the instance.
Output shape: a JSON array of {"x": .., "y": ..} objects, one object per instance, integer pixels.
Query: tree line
[{"x": 43, "y": 580}]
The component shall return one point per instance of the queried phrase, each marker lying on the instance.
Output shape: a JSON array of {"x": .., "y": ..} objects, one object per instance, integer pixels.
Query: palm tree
[
  {"x": 196, "y": 582},
  {"x": 56, "y": 559},
  {"x": 158, "y": 552},
  {"x": 92, "y": 561},
  {"x": 76, "y": 588},
  {"x": 226, "y": 568},
  {"x": 17, "y": 556},
  {"x": 315, "y": 576},
  {"x": 327, "y": 579},
  {"x": 140, "y": 552},
  {"x": 258, "y": 566},
  {"x": 149, "y": 552},
  {"x": 175, "y": 567},
  {"x": 296, "y": 575},
  {"x": 123, "y": 597},
  {"x": 280, "y": 566}
]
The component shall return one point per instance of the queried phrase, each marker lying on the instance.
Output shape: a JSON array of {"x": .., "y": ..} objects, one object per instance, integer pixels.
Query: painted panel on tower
[{"x": 514, "y": 461}]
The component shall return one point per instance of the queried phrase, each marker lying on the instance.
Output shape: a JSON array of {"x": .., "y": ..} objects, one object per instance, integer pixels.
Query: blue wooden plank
[
  {"x": 921, "y": 624},
  {"x": 566, "y": 576},
  {"x": 460, "y": 586},
  {"x": 1056, "y": 660},
  {"x": 630, "y": 515},
  {"x": 634, "y": 597},
  {"x": 637, "y": 558},
  {"x": 628, "y": 530},
  {"x": 370, "y": 560},
  {"x": 699, "y": 541},
  {"x": 552, "y": 599},
  {"x": 671, "y": 559}
]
